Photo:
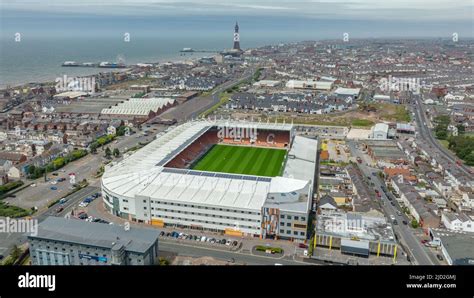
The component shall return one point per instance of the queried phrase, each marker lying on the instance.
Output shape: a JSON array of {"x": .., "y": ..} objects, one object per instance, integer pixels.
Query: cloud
[{"x": 410, "y": 10}]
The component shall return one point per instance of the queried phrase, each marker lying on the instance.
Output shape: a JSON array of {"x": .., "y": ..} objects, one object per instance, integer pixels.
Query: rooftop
[{"x": 96, "y": 234}]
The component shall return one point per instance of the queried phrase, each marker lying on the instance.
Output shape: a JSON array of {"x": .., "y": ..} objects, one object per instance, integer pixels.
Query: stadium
[{"x": 233, "y": 177}]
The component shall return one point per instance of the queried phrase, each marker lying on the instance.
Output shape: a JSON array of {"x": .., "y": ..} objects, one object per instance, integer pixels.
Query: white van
[{"x": 203, "y": 238}]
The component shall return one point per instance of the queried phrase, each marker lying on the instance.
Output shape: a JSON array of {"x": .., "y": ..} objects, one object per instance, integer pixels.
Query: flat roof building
[
  {"x": 380, "y": 131},
  {"x": 344, "y": 92},
  {"x": 309, "y": 84},
  {"x": 457, "y": 247},
  {"x": 355, "y": 233},
  {"x": 62, "y": 241}
]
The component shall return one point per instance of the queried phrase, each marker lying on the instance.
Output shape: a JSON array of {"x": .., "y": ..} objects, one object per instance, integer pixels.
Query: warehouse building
[
  {"x": 138, "y": 109},
  {"x": 347, "y": 92},
  {"x": 62, "y": 241},
  {"x": 380, "y": 131},
  {"x": 309, "y": 84},
  {"x": 355, "y": 234}
]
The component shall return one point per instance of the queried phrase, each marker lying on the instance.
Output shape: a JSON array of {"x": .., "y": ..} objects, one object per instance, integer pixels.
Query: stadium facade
[{"x": 157, "y": 185}]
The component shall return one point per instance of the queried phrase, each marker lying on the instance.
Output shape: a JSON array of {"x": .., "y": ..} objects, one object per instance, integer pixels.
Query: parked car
[
  {"x": 33, "y": 185},
  {"x": 62, "y": 201},
  {"x": 82, "y": 216},
  {"x": 55, "y": 174},
  {"x": 168, "y": 234},
  {"x": 392, "y": 203},
  {"x": 235, "y": 243},
  {"x": 399, "y": 213},
  {"x": 440, "y": 257},
  {"x": 223, "y": 241},
  {"x": 228, "y": 242},
  {"x": 53, "y": 188},
  {"x": 203, "y": 238},
  {"x": 302, "y": 245},
  {"x": 405, "y": 222},
  {"x": 162, "y": 233},
  {"x": 59, "y": 209}
]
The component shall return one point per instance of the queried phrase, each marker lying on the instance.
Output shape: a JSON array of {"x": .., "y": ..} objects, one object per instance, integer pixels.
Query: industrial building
[
  {"x": 355, "y": 234},
  {"x": 380, "y": 131},
  {"x": 266, "y": 83},
  {"x": 309, "y": 84},
  {"x": 62, "y": 241},
  {"x": 144, "y": 187},
  {"x": 347, "y": 92},
  {"x": 138, "y": 109}
]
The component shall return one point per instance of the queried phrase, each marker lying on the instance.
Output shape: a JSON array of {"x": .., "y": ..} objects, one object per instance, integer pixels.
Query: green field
[{"x": 242, "y": 160}]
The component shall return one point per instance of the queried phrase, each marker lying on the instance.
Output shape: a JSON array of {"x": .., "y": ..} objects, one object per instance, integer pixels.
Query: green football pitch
[{"x": 242, "y": 160}]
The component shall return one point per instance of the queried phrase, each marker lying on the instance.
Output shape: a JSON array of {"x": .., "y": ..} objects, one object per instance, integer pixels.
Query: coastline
[{"x": 95, "y": 71}]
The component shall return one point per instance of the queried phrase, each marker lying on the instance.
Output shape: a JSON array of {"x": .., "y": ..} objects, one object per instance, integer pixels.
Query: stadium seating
[{"x": 265, "y": 138}]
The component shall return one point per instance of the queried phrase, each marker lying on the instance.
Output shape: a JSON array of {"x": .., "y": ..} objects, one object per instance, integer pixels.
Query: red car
[
  {"x": 302, "y": 245},
  {"x": 424, "y": 241}
]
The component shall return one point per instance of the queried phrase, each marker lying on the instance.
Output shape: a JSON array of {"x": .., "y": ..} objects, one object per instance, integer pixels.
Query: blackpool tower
[{"x": 236, "y": 38}]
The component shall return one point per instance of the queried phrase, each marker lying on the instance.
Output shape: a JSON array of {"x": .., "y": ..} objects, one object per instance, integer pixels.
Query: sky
[
  {"x": 415, "y": 17},
  {"x": 325, "y": 9}
]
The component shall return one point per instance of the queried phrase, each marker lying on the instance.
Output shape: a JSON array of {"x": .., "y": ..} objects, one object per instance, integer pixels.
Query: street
[{"x": 406, "y": 234}]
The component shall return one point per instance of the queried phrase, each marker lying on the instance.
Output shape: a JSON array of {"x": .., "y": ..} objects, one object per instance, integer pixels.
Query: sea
[{"x": 34, "y": 45}]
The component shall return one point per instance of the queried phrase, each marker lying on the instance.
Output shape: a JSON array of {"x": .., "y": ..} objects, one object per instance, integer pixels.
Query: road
[
  {"x": 85, "y": 168},
  {"x": 426, "y": 134},
  {"x": 7, "y": 240},
  {"x": 240, "y": 258},
  {"x": 248, "y": 73},
  {"x": 420, "y": 253}
]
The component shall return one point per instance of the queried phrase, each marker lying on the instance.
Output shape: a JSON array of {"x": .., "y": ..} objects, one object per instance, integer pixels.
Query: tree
[
  {"x": 93, "y": 147},
  {"x": 16, "y": 252},
  {"x": 116, "y": 152},
  {"x": 108, "y": 152},
  {"x": 470, "y": 159},
  {"x": 31, "y": 170}
]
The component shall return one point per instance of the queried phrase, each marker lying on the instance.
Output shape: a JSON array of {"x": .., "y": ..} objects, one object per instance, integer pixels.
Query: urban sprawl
[{"x": 324, "y": 152}]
